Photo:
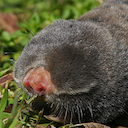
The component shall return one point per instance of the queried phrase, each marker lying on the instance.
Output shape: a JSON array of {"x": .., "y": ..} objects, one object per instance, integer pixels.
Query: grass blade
[
  {"x": 1, "y": 124},
  {"x": 15, "y": 120},
  {"x": 15, "y": 104},
  {"x": 4, "y": 101}
]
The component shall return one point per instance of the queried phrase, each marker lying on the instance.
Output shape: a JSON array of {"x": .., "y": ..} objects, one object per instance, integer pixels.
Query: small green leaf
[
  {"x": 6, "y": 36},
  {"x": 4, "y": 115},
  {"x": 4, "y": 71},
  {"x": 31, "y": 99},
  {"x": 22, "y": 122}
]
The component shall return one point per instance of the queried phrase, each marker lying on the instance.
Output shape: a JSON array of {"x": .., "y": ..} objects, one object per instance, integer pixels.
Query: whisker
[
  {"x": 51, "y": 106},
  {"x": 8, "y": 53},
  {"x": 60, "y": 111},
  {"x": 90, "y": 110},
  {"x": 12, "y": 61},
  {"x": 34, "y": 106},
  {"x": 125, "y": 112},
  {"x": 81, "y": 113},
  {"x": 18, "y": 46},
  {"x": 71, "y": 118},
  {"x": 30, "y": 32},
  {"x": 66, "y": 114},
  {"x": 56, "y": 108},
  {"x": 78, "y": 112}
]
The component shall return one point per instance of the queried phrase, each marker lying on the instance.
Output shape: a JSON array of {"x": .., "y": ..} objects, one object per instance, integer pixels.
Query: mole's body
[{"x": 80, "y": 66}]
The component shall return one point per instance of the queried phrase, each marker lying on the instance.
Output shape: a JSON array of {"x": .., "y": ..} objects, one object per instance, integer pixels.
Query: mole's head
[{"x": 62, "y": 63}]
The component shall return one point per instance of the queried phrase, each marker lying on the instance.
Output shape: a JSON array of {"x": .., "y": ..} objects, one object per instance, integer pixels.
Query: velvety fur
[{"x": 88, "y": 62}]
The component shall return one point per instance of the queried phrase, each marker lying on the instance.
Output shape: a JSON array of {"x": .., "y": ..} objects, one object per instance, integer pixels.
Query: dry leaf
[
  {"x": 8, "y": 22},
  {"x": 90, "y": 125},
  {"x": 6, "y": 78}
]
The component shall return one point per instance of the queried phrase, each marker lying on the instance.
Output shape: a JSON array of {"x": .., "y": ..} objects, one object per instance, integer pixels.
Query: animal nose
[{"x": 39, "y": 81}]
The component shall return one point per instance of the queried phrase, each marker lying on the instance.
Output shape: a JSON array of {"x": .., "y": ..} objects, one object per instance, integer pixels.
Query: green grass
[{"x": 33, "y": 16}]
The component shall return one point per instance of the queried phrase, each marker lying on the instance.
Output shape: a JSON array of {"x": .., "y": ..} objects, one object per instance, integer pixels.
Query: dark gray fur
[{"x": 92, "y": 48}]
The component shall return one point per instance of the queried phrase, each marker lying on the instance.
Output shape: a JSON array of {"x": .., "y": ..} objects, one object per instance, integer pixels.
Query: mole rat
[{"x": 79, "y": 68}]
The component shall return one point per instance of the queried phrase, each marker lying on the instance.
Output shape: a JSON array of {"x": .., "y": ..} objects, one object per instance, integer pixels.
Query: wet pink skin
[{"x": 39, "y": 81}]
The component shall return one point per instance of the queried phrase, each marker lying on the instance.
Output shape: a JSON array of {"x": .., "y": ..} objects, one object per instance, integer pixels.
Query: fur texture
[{"x": 88, "y": 62}]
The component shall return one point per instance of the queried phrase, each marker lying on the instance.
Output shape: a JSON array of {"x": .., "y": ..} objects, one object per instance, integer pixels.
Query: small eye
[
  {"x": 71, "y": 26},
  {"x": 84, "y": 66}
]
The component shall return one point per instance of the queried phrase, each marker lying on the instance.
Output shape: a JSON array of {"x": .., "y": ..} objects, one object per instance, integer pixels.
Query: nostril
[
  {"x": 27, "y": 86},
  {"x": 40, "y": 88}
]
